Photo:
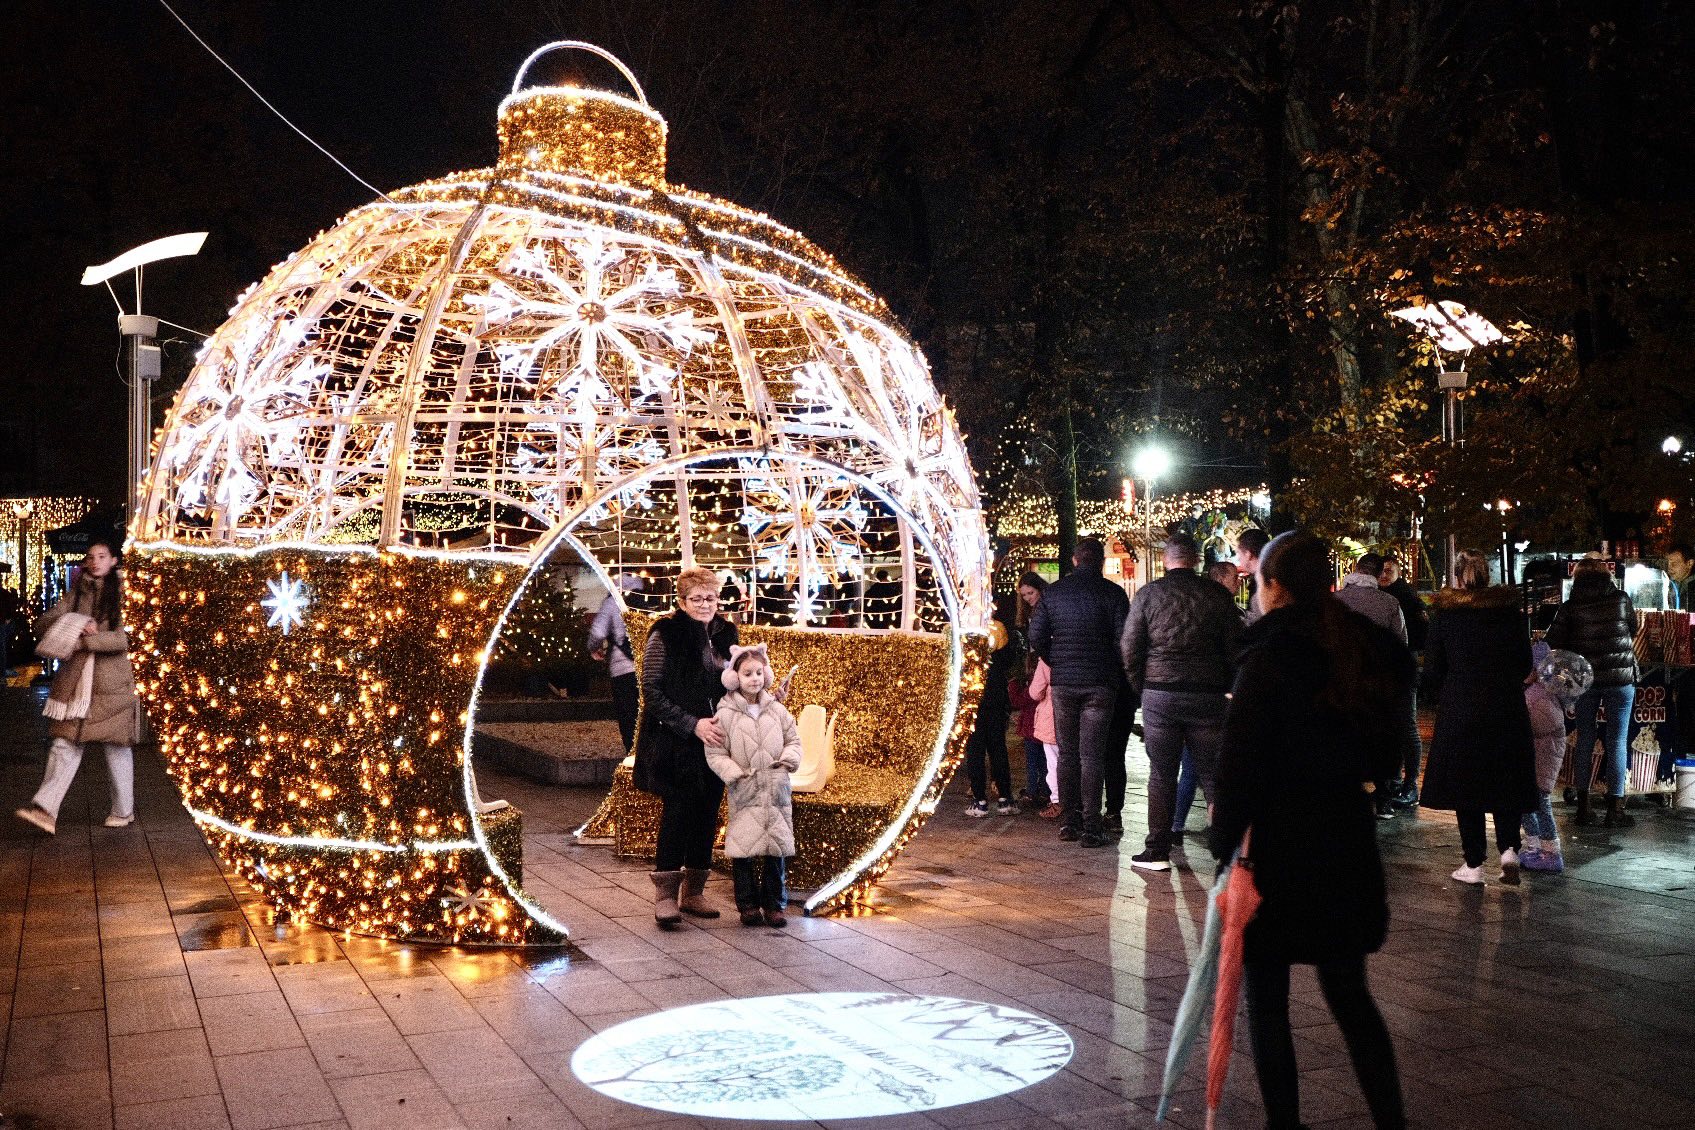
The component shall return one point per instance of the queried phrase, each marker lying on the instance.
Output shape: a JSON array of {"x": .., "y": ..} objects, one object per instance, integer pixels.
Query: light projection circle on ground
[{"x": 821, "y": 1056}]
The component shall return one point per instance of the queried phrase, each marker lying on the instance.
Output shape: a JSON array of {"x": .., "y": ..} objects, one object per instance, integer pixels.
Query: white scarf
[{"x": 83, "y": 695}]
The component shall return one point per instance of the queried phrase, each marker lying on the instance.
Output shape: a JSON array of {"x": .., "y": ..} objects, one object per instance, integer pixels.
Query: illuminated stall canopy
[{"x": 406, "y": 418}]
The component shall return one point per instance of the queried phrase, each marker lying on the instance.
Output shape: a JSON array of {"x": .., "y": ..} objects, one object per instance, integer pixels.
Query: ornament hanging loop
[{"x": 581, "y": 45}]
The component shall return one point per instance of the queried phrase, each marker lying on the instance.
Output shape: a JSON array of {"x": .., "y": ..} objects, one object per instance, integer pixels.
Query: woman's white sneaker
[
  {"x": 120, "y": 821},
  {"x": 1509, "y": 867},
  {"x": 1469, "y": 875}
]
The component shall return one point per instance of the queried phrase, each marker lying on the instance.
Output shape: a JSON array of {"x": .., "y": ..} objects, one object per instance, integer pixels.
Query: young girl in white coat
[{"x": 761, "y": 748}]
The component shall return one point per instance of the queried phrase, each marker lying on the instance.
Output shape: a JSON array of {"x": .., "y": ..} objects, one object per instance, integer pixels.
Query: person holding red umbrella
[{"x": 1312, "y": 718}]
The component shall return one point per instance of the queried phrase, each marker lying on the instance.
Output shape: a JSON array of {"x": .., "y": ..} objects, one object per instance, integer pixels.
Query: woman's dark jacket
[
  {"x": 679, "y": 688},
  {"x": 1476, "y": 658},
  {"x": 1294, "y": 768},
  {"x": 1599, "y": 623}
]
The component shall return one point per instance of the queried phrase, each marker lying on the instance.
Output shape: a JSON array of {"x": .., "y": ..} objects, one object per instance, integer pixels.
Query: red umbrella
[{"x": 1237, "y": 904}]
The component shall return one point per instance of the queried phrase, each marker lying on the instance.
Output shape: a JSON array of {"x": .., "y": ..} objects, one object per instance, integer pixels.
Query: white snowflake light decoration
[
  {"x": 806, "y": 528},
  {"x": 604, "y": 308},
  {"x": 288, "y": 602},
  {"x": 240, "y": 414}
]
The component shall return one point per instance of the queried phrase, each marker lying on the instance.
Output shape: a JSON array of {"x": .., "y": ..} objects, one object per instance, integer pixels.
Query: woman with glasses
[{"x": 686, "y": 653}]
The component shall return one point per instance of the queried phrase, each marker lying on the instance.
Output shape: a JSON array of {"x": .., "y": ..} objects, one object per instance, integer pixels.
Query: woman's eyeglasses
[{"x": 700, "y": 601}]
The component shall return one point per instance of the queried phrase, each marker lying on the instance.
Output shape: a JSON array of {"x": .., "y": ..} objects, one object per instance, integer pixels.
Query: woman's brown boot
[
  {"x": 665, "y": 884},
  {"x": 1585, "y": 816},
  {"x": 694, "y": 893},
  {"x": 1617, "y": 817}
]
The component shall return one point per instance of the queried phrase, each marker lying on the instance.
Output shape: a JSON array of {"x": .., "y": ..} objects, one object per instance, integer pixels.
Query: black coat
[
  {"x": 678, "y": 690},
  {"x": 1413, "y": 611},
  {"x": 1476, "y": 659},
  {"x": 1076, "y": 628},
  {"x": 1293, "y": 768},
  {"x": 1181, "y": 635},
  {"x": 1598, "y": 623}
]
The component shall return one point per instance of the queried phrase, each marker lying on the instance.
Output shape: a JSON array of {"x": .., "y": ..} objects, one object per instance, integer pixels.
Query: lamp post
[
  {"x": 141, "y": 348},
  {"x": 23, "y": 509},
  {"x": 1501, "y": 506},
  {"x": 1150, "y": 464},
  {"x": 1453, "y": 328}
]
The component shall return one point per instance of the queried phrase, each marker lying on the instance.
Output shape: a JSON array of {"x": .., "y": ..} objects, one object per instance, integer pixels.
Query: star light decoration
[
  {"x": 464, "y": 900},
  {"x": 288, "y": 602}
]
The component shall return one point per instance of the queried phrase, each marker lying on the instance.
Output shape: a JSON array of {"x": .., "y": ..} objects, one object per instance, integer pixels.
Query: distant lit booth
[
  {"x": 41, "y": 537},
  {"x": 560, "y": 358},
  {"x": 1131, "y": 528},
  {"x": 1665, "y": 652}
]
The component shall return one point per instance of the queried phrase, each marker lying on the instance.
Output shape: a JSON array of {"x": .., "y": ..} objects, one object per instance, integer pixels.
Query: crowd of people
[{"x": 1294, "y": 717}]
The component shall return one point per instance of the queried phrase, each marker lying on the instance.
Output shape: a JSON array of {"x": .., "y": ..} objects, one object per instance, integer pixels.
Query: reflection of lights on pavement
[{"x": 821, "y": 1056}]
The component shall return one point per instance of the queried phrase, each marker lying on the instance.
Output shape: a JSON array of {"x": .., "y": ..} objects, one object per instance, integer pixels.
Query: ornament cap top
[{"x": 580, "y": 130}]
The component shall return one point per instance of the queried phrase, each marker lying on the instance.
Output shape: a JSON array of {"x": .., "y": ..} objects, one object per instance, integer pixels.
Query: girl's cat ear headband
[{"x": 731, "y": 680}]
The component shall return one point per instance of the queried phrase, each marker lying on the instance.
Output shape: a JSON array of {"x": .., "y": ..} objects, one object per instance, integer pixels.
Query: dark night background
[{"x": 1100, "y": 219}]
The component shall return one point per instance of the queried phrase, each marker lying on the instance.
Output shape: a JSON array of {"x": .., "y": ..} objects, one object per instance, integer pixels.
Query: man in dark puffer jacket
[
  {"x": 1179, "y": 649},
  {"x": 1075, "y": 629},
  {"x": 1599, "y": 623}
]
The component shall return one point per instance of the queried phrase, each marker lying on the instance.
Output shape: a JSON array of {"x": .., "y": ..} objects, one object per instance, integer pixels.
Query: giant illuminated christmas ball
[{"x": 395, "y": 430}]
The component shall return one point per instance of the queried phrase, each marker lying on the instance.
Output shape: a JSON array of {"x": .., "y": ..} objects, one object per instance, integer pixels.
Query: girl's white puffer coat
[{"x": 755, "y": 763}]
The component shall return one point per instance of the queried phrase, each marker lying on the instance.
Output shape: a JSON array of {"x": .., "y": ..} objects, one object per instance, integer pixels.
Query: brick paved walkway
[{"x": 140, "y": 987}]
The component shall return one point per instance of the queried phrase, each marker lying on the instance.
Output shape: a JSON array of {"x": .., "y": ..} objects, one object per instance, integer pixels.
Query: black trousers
[
  {"x": 688, "y": 823},
  {"x": 988, "y": 744},
  {"x": 1412, "y": 748},
  {"x": 761, "y": 882},
  {"x": 626, "y": 703},
  {"x": 1349, "y": 998},
  {"x": 1472, "y": 841},
  {"x": 1118, "y": 749}
]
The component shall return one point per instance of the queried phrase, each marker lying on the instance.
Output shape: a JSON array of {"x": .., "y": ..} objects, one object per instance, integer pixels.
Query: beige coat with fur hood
[
  {"x": 758, "y": 755},
  {"x": 114, "y": 715}
]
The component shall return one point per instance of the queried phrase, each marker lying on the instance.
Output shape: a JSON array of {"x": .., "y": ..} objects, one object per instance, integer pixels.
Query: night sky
[{"x": 121, "y": 129}]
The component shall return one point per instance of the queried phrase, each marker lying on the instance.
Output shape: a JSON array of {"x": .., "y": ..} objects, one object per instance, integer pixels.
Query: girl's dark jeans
[
  {"x": 761, "y": 882},
  {"x": 1345, "y": 991}
]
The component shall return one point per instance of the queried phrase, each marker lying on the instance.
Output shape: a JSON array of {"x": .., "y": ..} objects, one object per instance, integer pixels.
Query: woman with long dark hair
[
  {"x": 1311, "y": 720},
  {"x": 92, "y": 698},
  {"x": 1482, "y": 755},
  {"x": 681, "y": 667}
]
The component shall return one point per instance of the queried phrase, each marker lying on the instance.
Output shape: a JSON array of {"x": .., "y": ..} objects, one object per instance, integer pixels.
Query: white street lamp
[
  {"x": 1452, "y": 328},
  {"x": 1150, "y": 464},
  {"x": 141, "y": 348},
  {"x": 1672, "y": 445}
]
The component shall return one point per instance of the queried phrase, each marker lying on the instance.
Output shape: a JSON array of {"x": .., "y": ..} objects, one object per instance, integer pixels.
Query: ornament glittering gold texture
[
  {"x": 358, "y": 490},
  {"x": 584, "y": 132}
]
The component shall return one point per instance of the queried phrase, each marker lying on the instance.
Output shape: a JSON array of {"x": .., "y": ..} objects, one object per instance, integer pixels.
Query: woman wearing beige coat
[{"x": 93, "y": 695}]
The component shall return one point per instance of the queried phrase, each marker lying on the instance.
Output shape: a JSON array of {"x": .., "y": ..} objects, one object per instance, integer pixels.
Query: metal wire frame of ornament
[{"x": 285, "y": 401}]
